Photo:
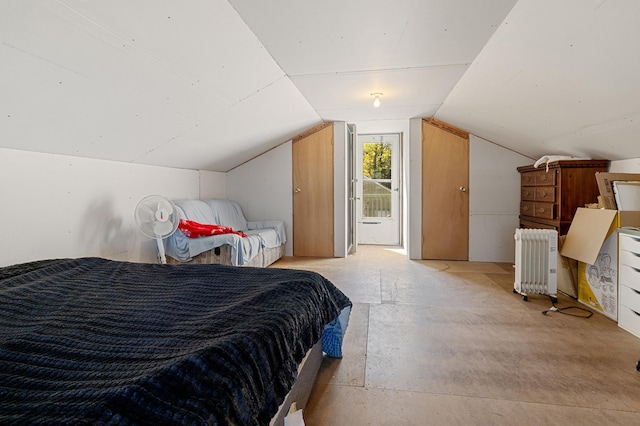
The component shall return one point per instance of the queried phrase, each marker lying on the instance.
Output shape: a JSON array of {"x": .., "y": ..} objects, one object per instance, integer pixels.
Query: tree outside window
[
  {"x": 376, "y": 183},
  {"x": 376, "y": 161}
]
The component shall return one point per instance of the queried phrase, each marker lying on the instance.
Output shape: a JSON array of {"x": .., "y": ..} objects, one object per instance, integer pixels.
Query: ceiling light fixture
[{"x": 376, "y": 99}]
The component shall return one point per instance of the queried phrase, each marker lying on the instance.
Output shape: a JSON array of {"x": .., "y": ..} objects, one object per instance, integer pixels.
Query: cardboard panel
[
  {"x": 629, "y": 219},
  {"x": 588, "y": 230},
  {"x": 567, "y": 272}
]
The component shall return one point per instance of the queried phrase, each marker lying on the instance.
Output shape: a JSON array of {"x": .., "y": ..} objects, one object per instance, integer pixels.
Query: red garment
[{"x": 193, "y": 229}]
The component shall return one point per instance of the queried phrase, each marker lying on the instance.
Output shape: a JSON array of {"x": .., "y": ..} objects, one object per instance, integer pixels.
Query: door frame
[{"x": 352, "y": 185}]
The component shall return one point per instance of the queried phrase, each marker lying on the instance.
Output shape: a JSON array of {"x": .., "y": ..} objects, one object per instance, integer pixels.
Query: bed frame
[
  {"x": 222, "y": 255},
  {"x": 299, "y": 394}
]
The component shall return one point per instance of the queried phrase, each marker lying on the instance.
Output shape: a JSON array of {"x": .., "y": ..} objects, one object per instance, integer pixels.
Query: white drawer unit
[{"x": 629, "y": 281}]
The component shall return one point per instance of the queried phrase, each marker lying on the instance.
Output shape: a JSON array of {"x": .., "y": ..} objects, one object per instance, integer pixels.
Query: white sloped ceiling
[
  {"x": 180, "y": 84},
  {"x": 210, "y": 84},
  {"x": 557, "y": 78}
]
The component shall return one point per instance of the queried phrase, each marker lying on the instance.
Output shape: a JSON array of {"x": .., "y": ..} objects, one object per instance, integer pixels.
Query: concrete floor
[{"x": 449, "y": 343}]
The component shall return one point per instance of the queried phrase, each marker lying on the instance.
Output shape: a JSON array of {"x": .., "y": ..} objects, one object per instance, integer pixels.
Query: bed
[{"x": 98, "y": 341}]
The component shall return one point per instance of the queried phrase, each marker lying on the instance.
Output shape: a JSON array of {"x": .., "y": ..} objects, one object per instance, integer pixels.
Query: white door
[{"x": 378, "y": 193}]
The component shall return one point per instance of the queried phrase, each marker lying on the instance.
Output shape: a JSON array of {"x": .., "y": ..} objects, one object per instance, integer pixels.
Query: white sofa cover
[{"x": 263, "y": 244}]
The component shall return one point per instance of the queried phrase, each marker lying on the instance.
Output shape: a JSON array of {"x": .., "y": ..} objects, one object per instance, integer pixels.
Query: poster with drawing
[{"x": 598, "y": 286}]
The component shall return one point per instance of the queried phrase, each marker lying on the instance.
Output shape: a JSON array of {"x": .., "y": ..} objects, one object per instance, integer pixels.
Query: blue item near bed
[{"x": 97, "y": 341}]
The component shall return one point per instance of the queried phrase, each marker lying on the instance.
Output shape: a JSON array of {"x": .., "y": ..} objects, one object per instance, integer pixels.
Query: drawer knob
[{"x": 542, "y": 210}]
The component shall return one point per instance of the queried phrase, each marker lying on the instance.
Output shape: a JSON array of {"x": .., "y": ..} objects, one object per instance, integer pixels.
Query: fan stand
[{"x": 161, "y": 256}]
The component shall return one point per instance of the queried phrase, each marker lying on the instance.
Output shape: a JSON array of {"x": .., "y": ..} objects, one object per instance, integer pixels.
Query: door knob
[
  {"x": 463, "y": 189},
  {"x": 297, "y": 190}
]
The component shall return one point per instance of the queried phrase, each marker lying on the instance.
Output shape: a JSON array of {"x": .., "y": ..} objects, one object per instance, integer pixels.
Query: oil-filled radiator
[{"x": 536, "y": 262}]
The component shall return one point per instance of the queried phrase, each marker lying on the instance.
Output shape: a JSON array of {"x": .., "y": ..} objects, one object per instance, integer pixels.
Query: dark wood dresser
[{"x": 549, "y": 199}]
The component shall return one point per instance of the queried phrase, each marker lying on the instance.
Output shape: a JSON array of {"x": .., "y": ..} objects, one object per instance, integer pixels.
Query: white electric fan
[{"x": 157, "y": 218}]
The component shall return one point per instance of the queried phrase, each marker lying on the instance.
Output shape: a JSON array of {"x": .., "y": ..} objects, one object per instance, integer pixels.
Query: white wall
[
  {"x": 263, "y": 189},
  {"x": 625, "y": 166},
  {"x": 213, "y": 184},
  {"x": 494, "y": 194},
  {"x": 59, "y": 206}
]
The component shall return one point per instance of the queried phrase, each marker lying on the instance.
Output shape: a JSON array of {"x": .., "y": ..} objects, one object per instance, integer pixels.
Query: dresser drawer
[
  {"x": 541, "y": 210},
  {"x": 630, "y": 298},
  {"x": 629, "y": 276},
  {"x": 528, "y": 179},
  {"x": 528, "y": 193},
  {"x": 524, "y": 223},
  {"x": 527, "y": 208},
  {"x": 545, "y": 178},
  {"x": 629, "y": 243},
  {"x": 629, "y": 320},
  {"x": 545, "y": 210},
  {"x": 629, "y": 258},
  {"x": 546, "y": 193}
]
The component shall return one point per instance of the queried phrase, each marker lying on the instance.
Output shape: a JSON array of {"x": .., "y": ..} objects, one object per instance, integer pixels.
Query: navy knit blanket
[{"x": 105, "y": 342}]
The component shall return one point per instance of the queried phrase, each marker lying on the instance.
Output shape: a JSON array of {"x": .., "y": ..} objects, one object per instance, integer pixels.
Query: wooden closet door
[
  {"x": 445, "y": 194},
  {"x": 313, "y": 194}
]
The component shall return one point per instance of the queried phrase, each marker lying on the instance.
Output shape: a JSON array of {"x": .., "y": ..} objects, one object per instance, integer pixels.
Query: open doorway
[{"x": 378, "y": 196}]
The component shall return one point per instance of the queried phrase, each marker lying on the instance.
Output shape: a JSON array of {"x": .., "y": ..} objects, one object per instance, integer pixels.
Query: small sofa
[{"x": 263, "y": 244}]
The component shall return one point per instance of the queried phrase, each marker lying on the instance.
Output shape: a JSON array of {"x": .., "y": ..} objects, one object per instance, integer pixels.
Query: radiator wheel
[{"x": 524, "y": 296}]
